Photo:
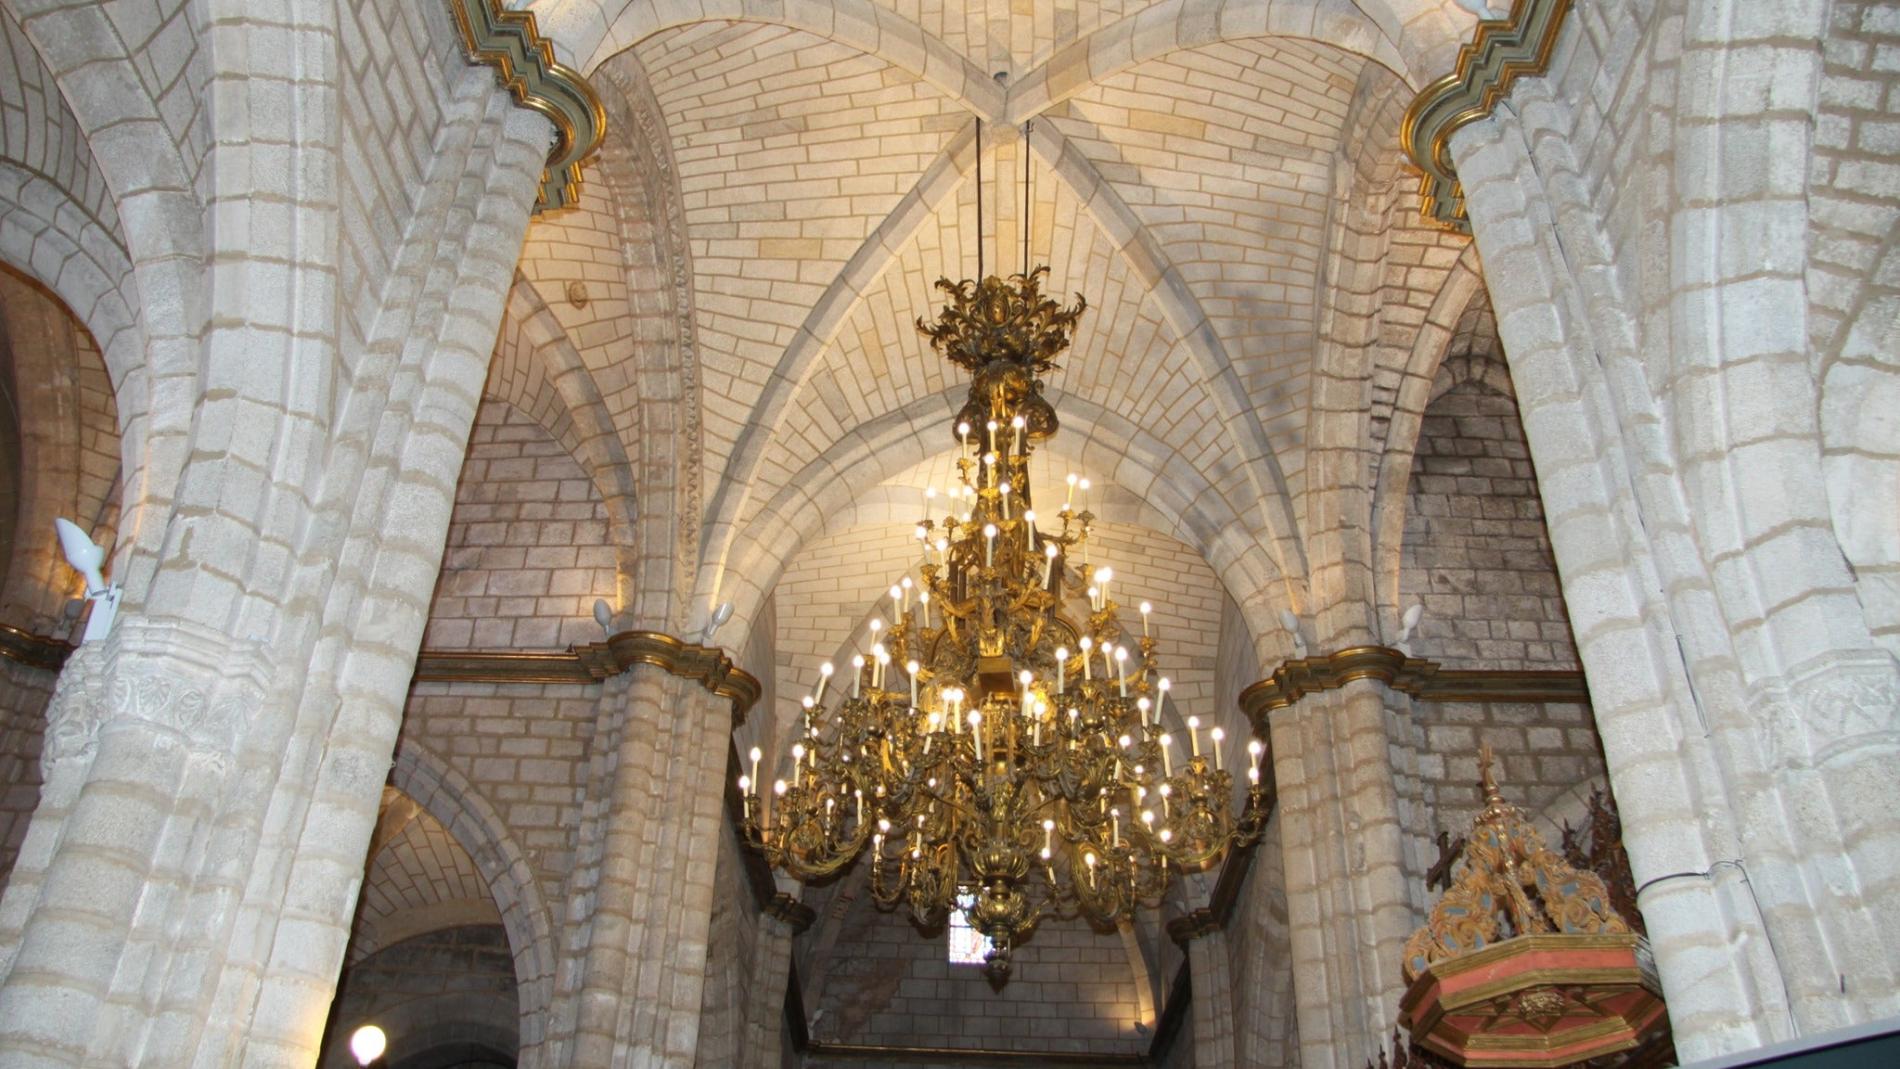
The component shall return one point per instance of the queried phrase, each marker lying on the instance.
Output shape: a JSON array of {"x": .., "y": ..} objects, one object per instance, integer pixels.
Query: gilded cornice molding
[
  {"x": 525, "y": 65},
  {"x": 1423, "y": 680},
  {"x": 33, "y": 651},
  {"x": 706, "y": 665},
  {"x": 1502, "y": 51}
]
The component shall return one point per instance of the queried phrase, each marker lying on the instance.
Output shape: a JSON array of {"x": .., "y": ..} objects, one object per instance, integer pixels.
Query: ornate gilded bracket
[
  {"x": 1502, "y": 51},
  {"x": 524, "y": 63},
  {"x": 706, "y": 665},
  {"x": 1423, "y": 680}
]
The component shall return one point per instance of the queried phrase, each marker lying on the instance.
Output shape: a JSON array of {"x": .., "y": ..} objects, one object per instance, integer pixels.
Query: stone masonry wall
[
  {"x": 1475, "y": 550},
  {"x": 24, "y": 693},
  {"x": 1071, "y": 990},
  {"x": 528, "y": 549},
  {"x": 524, "y": 748}
]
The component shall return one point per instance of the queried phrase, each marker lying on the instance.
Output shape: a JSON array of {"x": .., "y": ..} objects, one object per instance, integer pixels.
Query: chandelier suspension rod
[
  {"x": 1027, "y": 124},
  {"x": 979, "y": 197}
]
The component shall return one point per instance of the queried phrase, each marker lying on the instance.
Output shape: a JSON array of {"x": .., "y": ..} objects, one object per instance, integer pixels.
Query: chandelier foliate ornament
[{"x": 992, "y": 753}]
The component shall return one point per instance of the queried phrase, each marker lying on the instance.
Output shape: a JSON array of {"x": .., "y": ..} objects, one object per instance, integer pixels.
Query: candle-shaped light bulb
[
  {"x": 1029, "y": 528},
  {"x": 745, "y": 783},
  {"x": 1005, "y": 491},
  {"x": 778, "y": 787},
  {"x": 930, "y": 498},
  {"x": 824, "y": 677},
  {"x": 1089, "y": 859},
  {"x": 1102, "y": 576},
  {"x": 1142, "y": 706},
  {"x": 1121, "y": 668},
  {"x": 910, "y": 669},
  {"x": 1162, "y": 687},
  {"x": 755, "y": 755},
  {"x": 1049, "y": 562},
  {"x": 923, "y": 600},
  {"x": 1062, "y": 666},
  {"x": 1019, "y": 423},
  {"x": 989, "y": 462},
  {"x": 1194, "y": 734},
  {"x": 1167, "y": 755},
  {"x": 1048, "y": 834},
  {"x": 1255, "y": 747},
  {"x": 857, "y": 672},
  {"x": 1087, "y": 643},
  {"x": 897, "y": 595},
  {"x": 1095, "y": 599},
  {"x": 1253, "y": 774},
  {"x": 1145, "y": 610},
  {"x": 963, "y": 431},
  {"x": 1083, "y": 486},
  {"x": 989, "y": 545},
  {"x": 1070, "y": 500},
  {"x": 1115, "y": 834},
  {"x": 991, "y": 427},
  {"x": 976, "y": 732},
  {"x": 1217, "y": 735}
]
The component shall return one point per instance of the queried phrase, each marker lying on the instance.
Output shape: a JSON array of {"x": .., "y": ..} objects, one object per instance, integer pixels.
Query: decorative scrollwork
[{"x": 1508, "y": 884}]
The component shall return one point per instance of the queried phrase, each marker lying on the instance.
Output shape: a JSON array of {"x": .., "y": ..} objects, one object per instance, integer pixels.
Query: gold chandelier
[{"x": 993, "y": 754}]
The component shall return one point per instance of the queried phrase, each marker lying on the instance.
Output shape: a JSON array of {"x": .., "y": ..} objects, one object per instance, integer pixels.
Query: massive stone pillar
[
  {"x": 1342, "y": 845},
  {"x": 1748, "y": 716},
  {"x": 213, "y": 766},
  {"x": 640, "y": 902}
]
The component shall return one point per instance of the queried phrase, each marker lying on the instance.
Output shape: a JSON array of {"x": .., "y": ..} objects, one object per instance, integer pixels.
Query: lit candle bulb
[
  {"x": 1095, "y": 599},
  {"x": 963, "y": 430},
  {"x": 906, "y": 585},
  {"x": 824, "y": 677},
  {"x": 755, "y": 755},
  {"x": 1145, "y": 610},
  {"x": 897, "y": 600},
  {"x": 1029, "y": 528},
  {"x": 976, "y": 733},
  {"x": 1102, "y": 576},
  {"x": 745, "y": 784},
  {"x": 1121, "y": 668},
  {"x": 1084, "y": 487},
  {"x": 930, "y": 498},
  {"x": 1254, "y": 750},
  {"x": 1062, "y": 666},
  {"x": 1194, "y": 734},
  {"x": 1049, "y": 562},
  {"x": 1048, "y": 834},
  {"x": 1142, "y": 706},
  {"x": 1070, "y": 500},
  {"x": 1042, "y": 713},
  {"x": 1019, "y": 423},
  {"x": 883, "y": 658},
  {"x": 808, "y": 704},
  {"x": 1167, "y": 755},
  {"x": 992, "y": 426},
  {"x": 1161, "y": 696},
  {"x": 910, "y": 669},
  {"x": 798, "y": 758},
  {"x": 1217, "y": 735},
  {"x": 1025, "y": 677},
  {"x": 989, "y": 545},
  {"x": 1089, "y": 859},
  {"x": 1115, "y": 832},
  {"x": 857, "y": 673},
  {"x": 923, "y": 601},
  {"x": 989, "y": 463},
  {"x": 1005, "y": 490},
  {"x": 1087, "y": 644}
]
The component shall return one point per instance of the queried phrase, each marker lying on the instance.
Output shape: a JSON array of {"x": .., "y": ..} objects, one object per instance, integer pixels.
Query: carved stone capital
[{"x": 186, "y": 684}]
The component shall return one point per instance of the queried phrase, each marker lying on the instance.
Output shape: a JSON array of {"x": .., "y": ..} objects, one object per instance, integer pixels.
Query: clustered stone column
[
  {"x": 1347, "y": 900},
  {"x": 640, "y": 902},
  {"x": 1212, "y": 990}
]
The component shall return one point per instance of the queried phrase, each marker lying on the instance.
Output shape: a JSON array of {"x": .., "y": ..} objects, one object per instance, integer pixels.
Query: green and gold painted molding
[
  {"x": 524, "y": 64},
  {"x": 1423, "y": 680},
  {"x": 1502, "y": 51}
]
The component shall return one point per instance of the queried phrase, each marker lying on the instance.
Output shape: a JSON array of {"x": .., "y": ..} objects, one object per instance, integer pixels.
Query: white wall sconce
[{"x": 86, "y": 557}]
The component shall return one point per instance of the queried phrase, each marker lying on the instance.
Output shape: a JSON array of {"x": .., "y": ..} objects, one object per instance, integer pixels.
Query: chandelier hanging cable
[{"x": 992, "y": 753}]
